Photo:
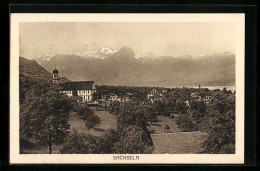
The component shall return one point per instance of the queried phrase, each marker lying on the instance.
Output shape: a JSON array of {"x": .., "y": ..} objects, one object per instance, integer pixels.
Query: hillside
[
  {"x": 33, "y": 76},
  {"x": 32, "y": 68},
  {"x": 123, "y": 68}
]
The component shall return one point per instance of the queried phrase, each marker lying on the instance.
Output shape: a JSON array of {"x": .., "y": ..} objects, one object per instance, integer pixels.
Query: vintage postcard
[{"x": 127, "y": 88}]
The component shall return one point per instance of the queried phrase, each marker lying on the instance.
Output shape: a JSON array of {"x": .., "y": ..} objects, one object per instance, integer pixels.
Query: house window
[{"x": 88, "y": 97}]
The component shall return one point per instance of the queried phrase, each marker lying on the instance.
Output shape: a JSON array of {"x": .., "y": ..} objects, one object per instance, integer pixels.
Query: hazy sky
[{"x": 169, "y": 39}]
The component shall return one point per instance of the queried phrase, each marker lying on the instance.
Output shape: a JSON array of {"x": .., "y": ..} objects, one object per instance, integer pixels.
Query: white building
[
  {"x": 208, "y": 99},
  {"x": 114, "y": 97},
  {"x": 84, "y": 89},
  {"x": 154, "y": 92}
]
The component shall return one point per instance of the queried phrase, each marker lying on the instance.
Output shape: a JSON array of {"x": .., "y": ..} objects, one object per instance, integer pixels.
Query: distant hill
[
  {"x": 32, "y": 76},
  {"x": 32, "y": 68},
  {"x": 123, "y": 68}
]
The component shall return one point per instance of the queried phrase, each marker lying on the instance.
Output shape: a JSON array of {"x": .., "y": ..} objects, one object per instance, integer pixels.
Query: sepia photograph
[{"x": 127, "y": 88}]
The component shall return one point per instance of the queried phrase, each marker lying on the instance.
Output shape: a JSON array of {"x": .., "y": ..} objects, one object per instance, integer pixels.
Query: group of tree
[
  {"x": 221, "y": 124},
  {"x": 44, "y": 112},
  {"x": 217, "y": 119},
  {"x": 44, "y": 118},
  {"x": 91, "y": 120},
  {"x": 132, "y": 128},
  {"x": 130, "y": 136}
]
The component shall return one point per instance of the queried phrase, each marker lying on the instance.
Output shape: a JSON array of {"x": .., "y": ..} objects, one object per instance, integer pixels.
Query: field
[
  {"x": 178, "y": 142},
  {"x": 107, "y": 121},
  {"x": 175, "y": 141},
  {"x": 158, "y": 127}
]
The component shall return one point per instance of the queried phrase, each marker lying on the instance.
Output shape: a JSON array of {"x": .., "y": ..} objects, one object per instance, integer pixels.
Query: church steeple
[{"x": 55, "y": 76}]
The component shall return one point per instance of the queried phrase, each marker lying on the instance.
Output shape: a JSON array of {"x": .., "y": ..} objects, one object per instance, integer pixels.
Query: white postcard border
[{"x": 16, "y": 158}]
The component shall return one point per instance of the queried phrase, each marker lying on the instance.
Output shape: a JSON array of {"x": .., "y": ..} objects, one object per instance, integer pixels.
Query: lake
[{"x": 232, "y": 88}]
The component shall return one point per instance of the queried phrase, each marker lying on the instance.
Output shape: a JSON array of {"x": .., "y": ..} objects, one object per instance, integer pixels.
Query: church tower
[{"x": 55, "y": 76}]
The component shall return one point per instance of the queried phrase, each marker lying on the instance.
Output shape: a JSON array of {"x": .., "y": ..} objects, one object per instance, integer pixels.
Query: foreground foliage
[
  {"x": 221, "y": 134},
  {"x": 44, "y": 118},
  {"x": 131, "y": 136}
]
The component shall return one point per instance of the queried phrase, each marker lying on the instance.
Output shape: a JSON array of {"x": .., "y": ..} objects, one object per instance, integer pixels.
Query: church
[{"x": 83, "y": 89}]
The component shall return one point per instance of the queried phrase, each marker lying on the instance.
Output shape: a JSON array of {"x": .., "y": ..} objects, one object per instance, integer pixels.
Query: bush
[
  {"x": 221, "y": 135},
  {"x": 75, "y": 107},
  {"x": 166, "y": 128},
  {"x": 134, "y": 140},
  {"x": 152, "y": 131},
  {"x": 84, "y": 112},
  {"x": 107, "y": 141},
  {"x": 25, "y": 144},
  {"x": 78, "y": 143},
  {"x": 185, "y": 123},
  {"x": 221, "y": 130},
  {"x": 92, "y": 121}
]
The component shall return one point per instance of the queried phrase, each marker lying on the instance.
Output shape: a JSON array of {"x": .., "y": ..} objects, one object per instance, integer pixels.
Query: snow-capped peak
[
  {"x": 42, "y": 58},
  {"x": 102, "y": 53},
  {"x": 146, "y": 54},
  {"x": 108, "y": 51}
]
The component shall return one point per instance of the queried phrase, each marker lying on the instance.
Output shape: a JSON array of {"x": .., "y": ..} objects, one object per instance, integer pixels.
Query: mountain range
[{"x": 123, "y": 67}]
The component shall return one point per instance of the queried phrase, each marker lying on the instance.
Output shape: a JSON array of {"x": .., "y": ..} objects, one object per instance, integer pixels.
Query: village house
[
  {"x": 114, "y": 97},
  {"x": 195, "y": 96},
  {"x": 207, "y": 99},
  {"x": 127, "y": 97},
  {"x": 83, "y": 89},
  {"x": 156, "y": 93}
]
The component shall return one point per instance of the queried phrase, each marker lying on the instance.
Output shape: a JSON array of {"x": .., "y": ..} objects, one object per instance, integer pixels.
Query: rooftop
[{"x": 78, "y": 85}]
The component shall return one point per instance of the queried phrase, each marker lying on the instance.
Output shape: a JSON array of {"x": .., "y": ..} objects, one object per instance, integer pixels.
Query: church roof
[{"x": 78, "y": 85}]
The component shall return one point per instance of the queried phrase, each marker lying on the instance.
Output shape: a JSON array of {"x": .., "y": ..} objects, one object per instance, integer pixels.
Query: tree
[
  {"x": 95, "y": 96},
  {"x": 180, "y": 107},
  {"x": 133, "y": 115},
  {"x": 133, "y": 140},
  {"x": 79, "y": 143},
  {"x": 84, "y": 112},
  {"x": 221, "y": 134},
  {"x": 45, "y": 118},
  {"x": 92, "y": 121},
  {"x": 108, "y": 140},
  {"x": 186, "y": 124},
  {"x": 150, "y": 113},
  {"x": 114, "y": 106}
]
